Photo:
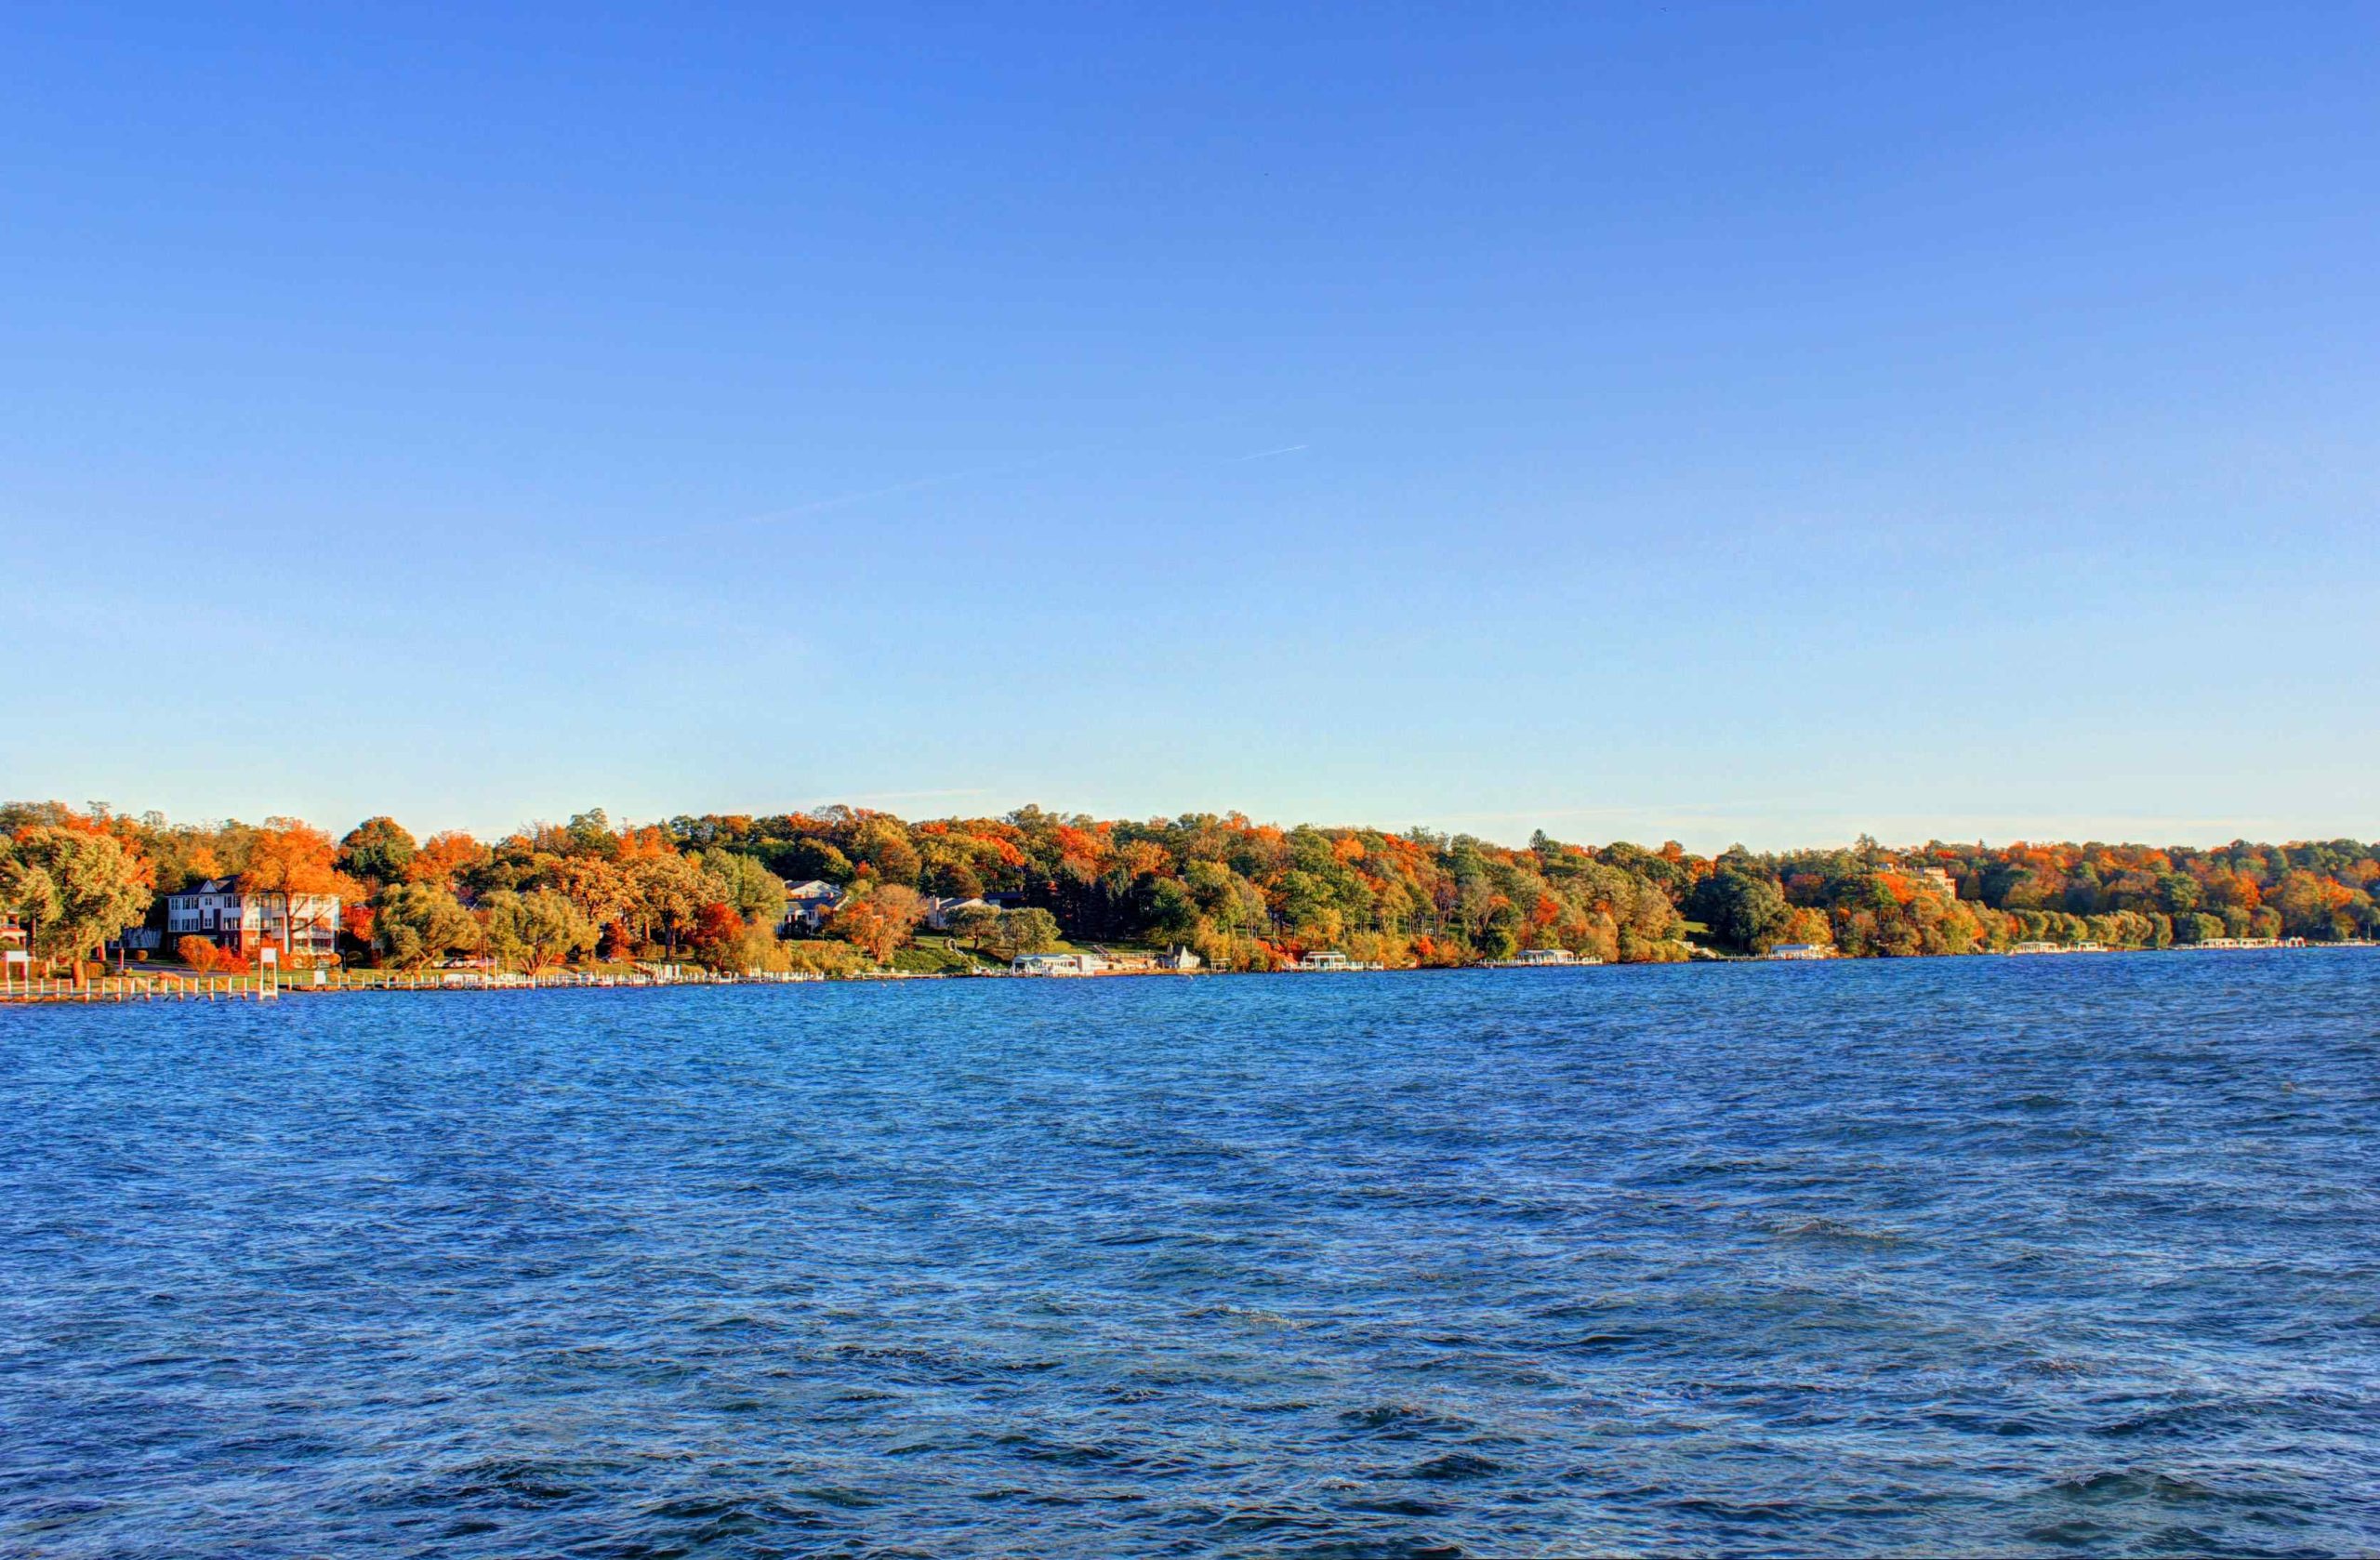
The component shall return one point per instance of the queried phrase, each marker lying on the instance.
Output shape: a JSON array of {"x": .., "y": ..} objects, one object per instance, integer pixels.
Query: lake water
[{"x": 1984, "y": 1255}]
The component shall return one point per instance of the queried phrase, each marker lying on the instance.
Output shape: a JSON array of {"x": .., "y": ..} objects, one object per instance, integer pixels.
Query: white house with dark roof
[
  {"x": 237, "y": 919},
  {"x": 806, "y": 905}
]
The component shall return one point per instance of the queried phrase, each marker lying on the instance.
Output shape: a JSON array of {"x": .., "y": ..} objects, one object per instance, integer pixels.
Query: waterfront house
[
  {"x": 1058, "y": 964},
  {"x": 1323, "y": 961},
  {"x": 1800, "y": 950},
  {"x": 938, "y": 909},
  {"x": 808, "y": 904},
  {"x": 1934, "y": 877},
  {"x": 240, "y": 919},
  {"x": 1181, "y": 960}
]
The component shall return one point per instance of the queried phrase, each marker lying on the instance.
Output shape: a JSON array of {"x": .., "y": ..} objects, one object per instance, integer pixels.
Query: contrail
[
  {"x": 819, "y": 506},
  {"x": 797, "y": 510}
]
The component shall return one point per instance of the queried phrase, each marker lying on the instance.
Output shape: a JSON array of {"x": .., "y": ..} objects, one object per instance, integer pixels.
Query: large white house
[{"x": 238, "y": 920}]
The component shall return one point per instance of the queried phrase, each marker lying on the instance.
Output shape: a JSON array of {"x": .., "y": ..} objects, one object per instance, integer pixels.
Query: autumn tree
[
  {"x": 197, "y": 952},
  {"x": 717, "y": 935},
  {"x": 596, "y": 884},
  {"x": 880, "y": 921},
  {"x": 664, "y": 893},
  {"x": 883, "y": 843},
  {"x": 291, "y": 860},
  {"x": 444, "y": 858}
]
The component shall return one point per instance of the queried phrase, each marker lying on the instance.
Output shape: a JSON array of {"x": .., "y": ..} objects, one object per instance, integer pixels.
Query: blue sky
[{"x": 1704, "y": 422}]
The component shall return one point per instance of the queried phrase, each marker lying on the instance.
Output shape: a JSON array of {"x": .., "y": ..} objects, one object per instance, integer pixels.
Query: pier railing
[{"x": 267, "y": 985}]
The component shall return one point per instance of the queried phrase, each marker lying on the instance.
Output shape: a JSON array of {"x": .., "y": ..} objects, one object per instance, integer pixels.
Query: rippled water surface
[{"x": 1986, "y": 1255}]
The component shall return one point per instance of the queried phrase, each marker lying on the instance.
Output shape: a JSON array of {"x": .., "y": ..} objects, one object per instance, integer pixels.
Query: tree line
[{"x": 1240, "y": 893}]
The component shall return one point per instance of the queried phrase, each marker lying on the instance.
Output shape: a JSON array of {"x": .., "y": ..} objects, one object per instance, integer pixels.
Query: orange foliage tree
[{"x": 291, "y": 860}]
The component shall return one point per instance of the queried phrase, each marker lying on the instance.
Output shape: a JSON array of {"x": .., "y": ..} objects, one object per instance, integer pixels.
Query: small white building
[
  {"x": 1800, "y": 950},
  {"x": 1058, "y": 964},
  {"x": 238, "y": 920},
  {"x": 1181, "y": 959},
  {"x": 1324, "y": 961}
]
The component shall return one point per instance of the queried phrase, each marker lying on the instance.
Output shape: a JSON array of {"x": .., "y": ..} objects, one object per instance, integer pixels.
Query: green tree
[
  {"x": 803, "y": 859},
  {"x": 1167, "y": 912},
  {"x": 974, "y": 922},
  {"x": 666, "y": 893},
  {"x": 1023, "y": 932},
  {"x": 535, "y": 928},
  {"x": 73, "y": 888},
  {"x": 883, "y": 843},
  {"x": 416, "y": 923},
  {"x": 27, "y": 892},
  {"x": 1744, "y": 909},
  {"x": 378, "y": 850},
  {"x": 753, "y": 890}
]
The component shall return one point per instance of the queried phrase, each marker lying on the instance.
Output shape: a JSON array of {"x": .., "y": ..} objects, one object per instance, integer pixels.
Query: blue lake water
[{"x": 2043, "y": 1256}]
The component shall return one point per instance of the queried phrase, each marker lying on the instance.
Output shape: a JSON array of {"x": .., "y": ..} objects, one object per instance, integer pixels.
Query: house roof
[
  {"x": 233, "y": 884},
  {"x": 814, "y": 888}
]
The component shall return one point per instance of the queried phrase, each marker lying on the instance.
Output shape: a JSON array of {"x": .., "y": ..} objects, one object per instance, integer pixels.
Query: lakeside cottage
[
  {"x": 238, "y": 920},
  {"x": 938, "y": 909},
  {"x": 1058, "y": 964},
  {"x": 806, "y": 905},
  {"x": 1800, "y": 950},
  {"x": 1934, "y": 877},
  {"x": 1537, "y": 958}
]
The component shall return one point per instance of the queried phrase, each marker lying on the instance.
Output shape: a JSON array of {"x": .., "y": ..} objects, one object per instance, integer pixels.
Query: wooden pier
[{"x": 268, "y": 987}]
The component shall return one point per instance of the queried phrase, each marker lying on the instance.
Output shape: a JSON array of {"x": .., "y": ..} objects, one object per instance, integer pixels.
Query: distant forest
[{"x": 1241, "y": 894}]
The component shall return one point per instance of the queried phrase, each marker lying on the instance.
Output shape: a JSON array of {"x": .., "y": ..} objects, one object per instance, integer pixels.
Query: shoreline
[{"x": 165, "y": 988}]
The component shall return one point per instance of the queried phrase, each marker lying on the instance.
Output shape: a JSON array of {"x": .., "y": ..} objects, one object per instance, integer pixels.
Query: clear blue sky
[{"x": 1709, "y": 422}]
